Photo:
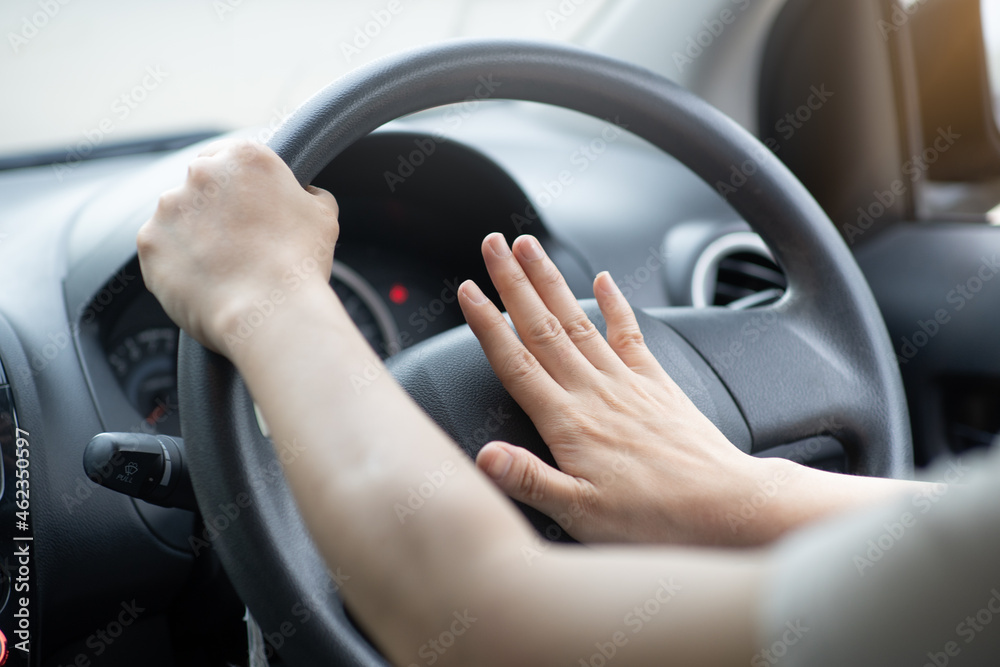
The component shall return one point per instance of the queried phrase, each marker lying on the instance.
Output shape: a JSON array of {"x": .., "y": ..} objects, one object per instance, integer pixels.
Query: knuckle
[
  {"x": 617, "y": 401},
  {"x": 629, "y": 338},
  {"x": 264, "y": 156},
  {"x": 144, "y": 240},
  {"x": 249, "y": 151},
  {"x": 168, "y": 202},
  {"x": 546, "y": 331},
  {"x": 551, "y": 277},
  {"x": 578, "y": 427},
  {"x": 519, "y": 366},
  {"x": 331, "y": 211},
  {"x": 587, "y": 498},
  {"x": 200, "y": 171},
  {"x": 518, "y": 280},
  {"x": 333, "y": 205},
  {"x": 248, "y": 154},
  {"x": 580, "y": 329},
  {"x": 530, "y": 483}
]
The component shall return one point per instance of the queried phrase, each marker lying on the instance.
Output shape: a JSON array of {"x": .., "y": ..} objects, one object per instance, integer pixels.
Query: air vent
[{"x": 736, "y": 271}]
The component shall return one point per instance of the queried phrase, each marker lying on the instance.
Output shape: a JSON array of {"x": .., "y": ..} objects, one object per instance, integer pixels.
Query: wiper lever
[{"x": 145, "y": 466}]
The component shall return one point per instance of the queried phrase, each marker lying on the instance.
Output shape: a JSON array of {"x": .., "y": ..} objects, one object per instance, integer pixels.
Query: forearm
[
  {"x": 361, "y": 446},
  {"x": 635, "y": 605},
  {"x": 787, "y": 496}
]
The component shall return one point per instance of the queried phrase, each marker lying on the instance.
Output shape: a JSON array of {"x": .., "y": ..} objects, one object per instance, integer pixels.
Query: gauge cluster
[
  {"x": 402, "y": 253},
  {"x": 145, "y": 365},
  {"x": 395, "y": 302}
]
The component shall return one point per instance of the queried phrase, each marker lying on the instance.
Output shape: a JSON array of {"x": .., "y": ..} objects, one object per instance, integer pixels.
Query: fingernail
[
  {"x": 502, "y": 461},
  {"x": 530, "y": 248},
  {"x": 498, "y": 244},
  {"x": 473, "y": 293},
  {"x": 606, "y": 284}
]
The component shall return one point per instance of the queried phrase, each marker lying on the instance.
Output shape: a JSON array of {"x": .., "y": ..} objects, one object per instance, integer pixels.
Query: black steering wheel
[{"x": 817, "y": 361}]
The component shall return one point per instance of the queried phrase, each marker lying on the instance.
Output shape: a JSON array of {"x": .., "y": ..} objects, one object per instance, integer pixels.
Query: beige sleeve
[{"x": 912, "y": 583}]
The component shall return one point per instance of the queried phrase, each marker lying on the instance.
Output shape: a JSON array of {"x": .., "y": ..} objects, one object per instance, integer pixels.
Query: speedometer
[
  {"x": 145, "y": 365},
  {"x": 144, "y": 362},
  {"x": 367, "y": 309}
]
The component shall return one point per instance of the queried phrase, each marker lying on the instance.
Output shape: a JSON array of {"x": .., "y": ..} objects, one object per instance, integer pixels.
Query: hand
[
  {"x": 637, "y": 460},
  {"x": 225, "y": 249}
]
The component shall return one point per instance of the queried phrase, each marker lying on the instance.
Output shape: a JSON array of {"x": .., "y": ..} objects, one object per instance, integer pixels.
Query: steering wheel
[{"x": 817, "y": 361}]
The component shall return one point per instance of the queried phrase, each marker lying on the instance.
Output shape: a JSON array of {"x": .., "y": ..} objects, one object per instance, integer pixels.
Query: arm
[{"x": 464, "y": 551}]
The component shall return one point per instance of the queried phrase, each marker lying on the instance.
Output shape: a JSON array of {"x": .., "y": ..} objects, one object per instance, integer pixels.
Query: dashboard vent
[{"x": 737, "y": 271}]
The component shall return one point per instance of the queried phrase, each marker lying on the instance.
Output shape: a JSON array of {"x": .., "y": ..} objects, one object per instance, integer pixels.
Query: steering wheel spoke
[{"x": 791, "y": 379}]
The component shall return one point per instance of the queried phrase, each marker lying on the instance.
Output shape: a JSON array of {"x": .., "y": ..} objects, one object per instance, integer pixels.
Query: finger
[
  {"x": 324, "y": 197},
  {"x": 557, "y": 297},
  {"x": 215, "y": 147},
  {"x": 320, "y": 193},
  {"x": 527, "y": 479},
  {"x": 624, "y": 335},
  {"x": 541, "y": 331},
  {"x": 521, "y": 374}
]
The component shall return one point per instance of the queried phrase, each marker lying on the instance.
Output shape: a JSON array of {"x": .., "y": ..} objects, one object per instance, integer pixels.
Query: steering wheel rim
[{"x": 826, "y": 330}]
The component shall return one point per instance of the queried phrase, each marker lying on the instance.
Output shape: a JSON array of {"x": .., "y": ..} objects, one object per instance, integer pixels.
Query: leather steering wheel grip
[{"x": 821, "y": 350}]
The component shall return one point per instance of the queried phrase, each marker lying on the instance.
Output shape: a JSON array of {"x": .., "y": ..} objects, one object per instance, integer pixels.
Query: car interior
[{"x": 800, "y": 198}]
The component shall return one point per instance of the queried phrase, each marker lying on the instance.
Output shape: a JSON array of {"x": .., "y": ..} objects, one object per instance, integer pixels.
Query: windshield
[{"x": 97, "y": 72}]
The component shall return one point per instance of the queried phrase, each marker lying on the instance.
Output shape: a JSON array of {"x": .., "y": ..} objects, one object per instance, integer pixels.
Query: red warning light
[
  {"x": 398, "y": 294},
  {"x": 4, "y": 649}
]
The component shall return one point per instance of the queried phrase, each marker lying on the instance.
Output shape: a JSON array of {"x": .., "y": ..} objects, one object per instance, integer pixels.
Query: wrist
[
  {"x": 243, "y": 320},
  {"x": 760, "y": 505}
]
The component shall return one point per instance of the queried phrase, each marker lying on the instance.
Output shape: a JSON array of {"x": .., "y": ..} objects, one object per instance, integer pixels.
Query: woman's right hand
[{"x": 637, "y": 460}]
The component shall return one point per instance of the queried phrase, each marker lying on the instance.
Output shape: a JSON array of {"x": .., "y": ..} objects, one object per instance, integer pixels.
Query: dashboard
[
  {"x": 407, "y": 244},
  {"x": 401, "y": 256},
  {"x": 382, "y": 296},
  {"x": 104, "y": 355}
]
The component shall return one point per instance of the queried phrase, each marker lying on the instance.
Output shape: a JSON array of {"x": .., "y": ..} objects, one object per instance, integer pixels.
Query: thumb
[{"x": 526, "y": 478}]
